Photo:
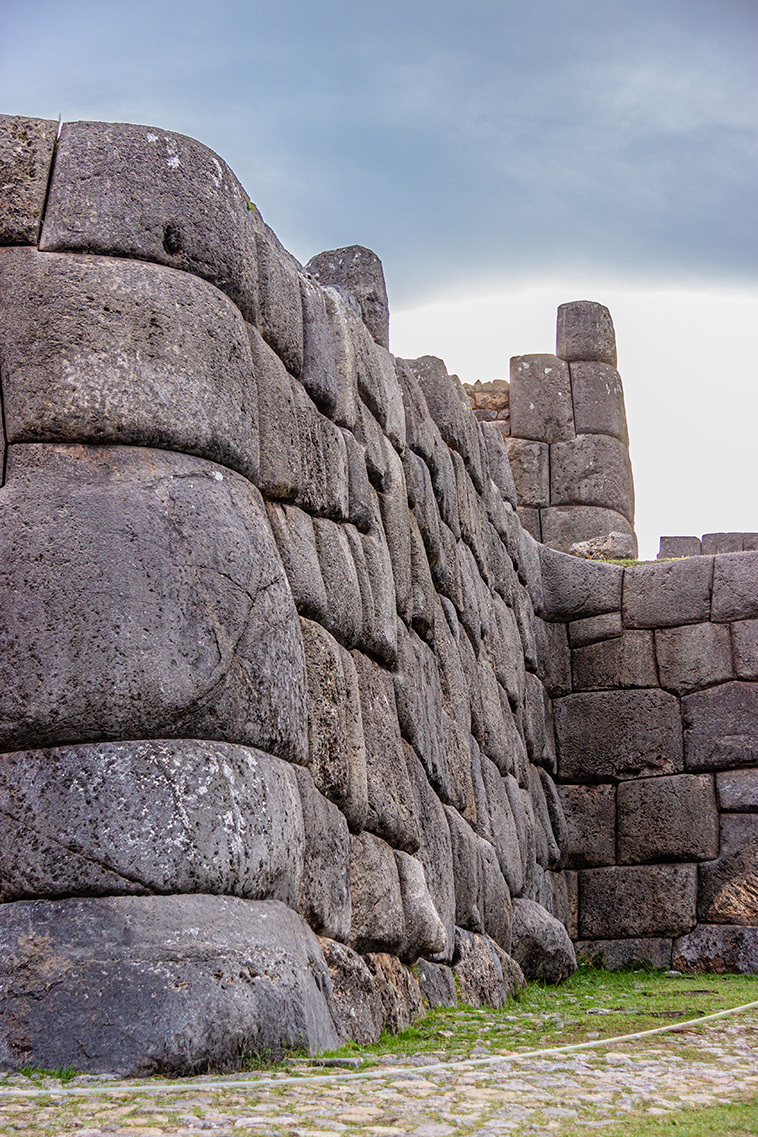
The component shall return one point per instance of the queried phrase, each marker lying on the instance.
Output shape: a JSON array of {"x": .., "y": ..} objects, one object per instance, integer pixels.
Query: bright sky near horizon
[{"x": 501, "y": 158}]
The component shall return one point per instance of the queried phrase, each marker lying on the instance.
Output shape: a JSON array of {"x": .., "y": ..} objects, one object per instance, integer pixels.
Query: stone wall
[{"x": 673, "y": 547}]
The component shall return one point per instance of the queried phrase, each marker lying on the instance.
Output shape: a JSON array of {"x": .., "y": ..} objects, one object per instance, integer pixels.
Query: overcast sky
[{"x": 500, "y": 157}]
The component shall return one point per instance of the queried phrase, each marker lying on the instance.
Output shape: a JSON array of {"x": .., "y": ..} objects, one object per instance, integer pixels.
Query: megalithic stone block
[
  {"x": 668, "y": 819},
  {"x": 563, "y": 527},
  {"x": 26, "y": 155},
  {"x": 358, "y": 270},
  {"x": 637, "y": 900},
  {"x": 541, "y": 406},
  {"x": 585, "y": 332},
  {"x": 592, "y": 469},
  {"x": 728, "y": 889},
  {"x": 598, "y": 398}
]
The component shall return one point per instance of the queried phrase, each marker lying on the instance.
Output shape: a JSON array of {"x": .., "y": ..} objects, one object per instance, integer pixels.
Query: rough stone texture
[
  {"x": 553, "y": 658},
  {"x": 574, "y": 588},
  {"x": 146, "y": 622},
  {"x": 564, "y": 526},
  {"x": 319, "y": 371},
  {"x": 437, "y": 984},
  {"x": 738, "y": 790},
  {"x": 609, "y": 547},
  {"x": 722, "y": 543},
  {"x": 745, "y": 648},
  {"x": 735, "y": 587},
  {"x": 138, "y": 985},
  {"x": 26, "y": 154},
  {"x": 637, "y": 900},
  {"x": 344, "y": 607},
  {"x": 280, "y": 307},
  {"x": 424, "y": 931},
  {"x": 399, "y": 991},
  {"x": 668, "y": 593},
  {"x": 719, "y": 948},
  {"x": 530, "y": 519},
  {"x": 419, "y": 707},
  {"x": 618, "y": 734},
  {"x": 729, "y": 886},
  {"x": 196, "y": 216},
  {"x": 721, "y": 727},
  {"x": 585, "y": 332},
  {"x": 530, "y": 463},
  {"x": 130, "y": 353},
  {"x": 613, "y": 954},
  {"x": 693, "y": 656},
  {"x": 679, "y": 547},
  {"x": 359, "y": 271},
  {"x": 595, "y": 629},
  {"x": 378, "y": 923},
  {"x": 296, "y": 542},
  {"x": 498, "y": 460},
  {"x": 592, "y": 469},
  {"x": 324, "y": 898},
  {"x": 541, "y": 945},
  {"x": 598, "y": 400},
  {"x": 625, "y": 661},
  {"x": 153, "y": 816},
  {"x": 485, "y": 976},
  {"x": 541, "y": 399},
  {"x": 667, "y": 819},
  {"x": 591, "y": 823},
  {"x": 435, "y": 850},
  {"x": 450, "y": 410},
  {"x": 356, "y": 997}
]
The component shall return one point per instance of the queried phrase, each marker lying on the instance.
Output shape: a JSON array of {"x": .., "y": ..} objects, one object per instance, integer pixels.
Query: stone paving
[{"x": 416, "y": 1096}]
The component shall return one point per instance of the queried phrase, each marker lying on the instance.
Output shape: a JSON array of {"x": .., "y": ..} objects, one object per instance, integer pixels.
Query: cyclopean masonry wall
[{"x": 279, "y": 660}]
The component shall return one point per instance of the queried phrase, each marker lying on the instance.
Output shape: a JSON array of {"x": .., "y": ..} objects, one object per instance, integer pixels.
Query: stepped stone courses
[{"x": 293, "y": 645}]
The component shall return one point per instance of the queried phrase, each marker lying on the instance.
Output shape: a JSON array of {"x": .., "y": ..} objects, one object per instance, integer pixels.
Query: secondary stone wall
[{"x": 710, "y": 543}]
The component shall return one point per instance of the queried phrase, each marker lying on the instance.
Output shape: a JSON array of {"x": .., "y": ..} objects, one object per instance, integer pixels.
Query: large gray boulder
[
  {"x": 668, "y": 593},
  {"x": 728, "y": 892},
  {"x": 485, "y": 975},
  {"x": 541, "y": 399},
  {"x": 172, "y": 985},
  {"x": 26, "y": 154},
  {"x": 359, "y": 271},
  {"x": 143, "y": 597},
  {"x": 735, "y": 586},
  {"x": 693, "y": 656},
  {"x": 720, "y": 947},
  {"x": 592, "y": 469},
  {"x": 541, "y": 945},
  {"x": 598, "y": 399},
  {"x": 585, "y": 332}
]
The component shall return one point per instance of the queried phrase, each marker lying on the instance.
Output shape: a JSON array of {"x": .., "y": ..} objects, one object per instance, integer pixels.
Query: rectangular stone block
[
  {"x": 613, "y": 954},
  {"x": 26, "y": 153},
  {"x": 721, "y": 727},
  {"x": 745, "y": 648},
  {"x": 729, "y": 885},
  {"x": 530, "y": 519},
  {"x": 585, "y": 332},
  {"x": 595, "y": 629},
  {"x": 598, "y": 400},
  {"x": 637, "y": 900},
  {"x": 722, "y": 543},
  {"x": 668, "y": 593},
  {"x": 667, "y": 819},
  {"x": 717, "y": 948},
  {"x": 627, "y": 661},
  {"x": 541, "y": 407},
  {"x": 592, "y": 469},
  {"x": 737, "y": 790},
  {"x": 574, "y": 588},
  {"x": 735, "y": 587},
  {"x": 673, "y": 547},
  {"x": 564, "y": 526},
  {"x": 693, "y": 656},
  {"x": 530, "y": 464},
  {"x": 604, "y": 735},
  {"x": 280, "y": 308},
  {"x": 591, "y": 819}
]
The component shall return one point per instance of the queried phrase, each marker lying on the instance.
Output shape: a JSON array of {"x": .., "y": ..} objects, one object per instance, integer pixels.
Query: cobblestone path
[{"x": 592, "y": 1089}]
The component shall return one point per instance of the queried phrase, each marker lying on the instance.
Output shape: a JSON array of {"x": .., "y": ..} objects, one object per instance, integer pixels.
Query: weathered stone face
[
  {"x": 359, "y": 271},
  {"x": 585, "y": 332},
  {"x": 721, "y": 727},
  {"x": 728, "y": 885},
  {"x": 637, "y": 900},
  {"x": 667, "y": 819},
  {"x": 26, "y": 154},
  {"x": 609, "y": 735},
  {"x": 541, "y": 406}
]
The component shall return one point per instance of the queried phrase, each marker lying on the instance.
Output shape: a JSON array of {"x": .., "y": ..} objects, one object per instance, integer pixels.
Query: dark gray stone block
[
  {"x": 346, "y": 411},
  {"x": 105, "y": 350},
  {"x": 449, "y": 407},
  {"x": 503, "y": 648},
  {"x": 679, "y": 547},
  {"x": 721, "y": 727},
  {"x": 605, "y": 735},
  {"x": 745, "y": 648},
  {"x": 419, "y": 707},
  {"x": 196, "y": 215},
  {"x": 359, "y": 270},
  {"x": 595, "y": 629},
  {"x": 280, "y": 307},
  {"x": 423, "y": 592},
  {"x": 445, "y": 489},
  {"x": 613, "y": 954},
  {"x": 719, "y": 948},
  {"x": 666, "y": 594},
  {"x": 547, "y": 852},
  {"x": 590, "y": 813},
  {"x": 502, "y": 831},
  {"x": 435, "y": 850},
  {"x": 530, "y": 519},
  {"x": 693, "y": 656},
  {"x": 556, "y": 814},
  {"x": 592, "y": 469},
  {"x": 482, "y": 899},
  {"x": 437, "y": 984},
  {"x": 553, "y": 657},
  {"x": 359, "y": 490},
  {"x": 324, "y": 899},
  {"x": 667, "y": 819},
  {"x": 26, "y": 155},
  {"x": 625, "y": 661},
  {"x": 729, "y": 885},
  {"x": 421, "y": 432},
  {"x": 637, "y": 900},
  {"x": 167, "y": 970},
  {"x": 541, "y": 945},
  {"x": 374, "y": 568},
  {"x": 152, "y": 816},
  {"x": 164, "y": 612},
  {"x": 738, "y": 790},
  {"x": 498, "y": 461},
  {"x": 296, "y": 542},
  {"x": 598, "y": 397},
  {"x": 399, "y": 991},
  {"x": 319, "y": 371},
  {"x": 281, "y": 459},
  {"x": 325, "y": 479},
  {"x": 485, "y": 976},
  {"x": 344, "y": 608},
  {"x": 393, "y": 504},
  {"x": 585, "y": 332},
  {"x": 565, "y": 526},
  {"x": 356, "y": 994},
  {"x": 378, "y": 384},
  {"x": 541, "y": 399},
  {"x": 424, "y": 931},
  {"x": 378, "y": 923},
  {"x": 574, "y": 588},
  {"x": 722, "y": 543},
  {"x": 735, "y": 587},
  {"x": 530, "y": 463}
]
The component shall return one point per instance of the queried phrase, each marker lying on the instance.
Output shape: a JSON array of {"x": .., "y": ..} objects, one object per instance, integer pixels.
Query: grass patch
[{"x": 735, "y": 1119}]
